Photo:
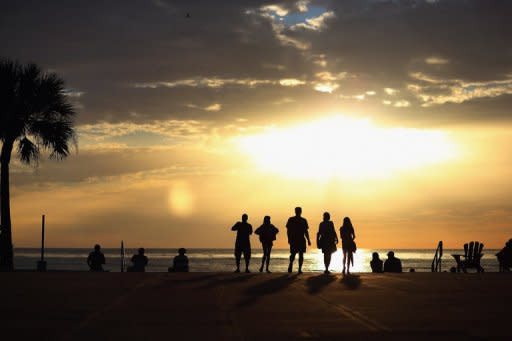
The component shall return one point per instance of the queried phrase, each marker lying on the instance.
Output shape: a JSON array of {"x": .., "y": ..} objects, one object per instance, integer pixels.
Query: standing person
[
  {"x": 96, "y": 259},
  {"x": 242, "y": 244},
  {"x": 267, "y": 233},
  {"x": 348, "y": 244},
  {"x": 327, "y": 239},
  {"x": 297, "y": 231},
  {"x": 139, "y": 262}
]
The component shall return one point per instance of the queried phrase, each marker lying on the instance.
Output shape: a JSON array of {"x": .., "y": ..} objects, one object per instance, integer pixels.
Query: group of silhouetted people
[
  {"x": 96, "y": 260},
  {"x": 392, "y": 264},
  {"x": 298, "y": 238}
]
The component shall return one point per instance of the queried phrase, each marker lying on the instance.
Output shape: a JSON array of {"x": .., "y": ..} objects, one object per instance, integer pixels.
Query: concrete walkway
[{"x": 222, "y": 306}]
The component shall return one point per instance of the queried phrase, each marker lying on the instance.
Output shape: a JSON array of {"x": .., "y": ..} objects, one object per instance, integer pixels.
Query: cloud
[
  {"x": 211, "y": 107},
  {"x": 436, "y": 61},
  {"x": 431, "y": 90},
  {"x": 291, "y": 82},
  {"x": 213, "y": 82},
  {"x": 315, "y": 24},
  {"x": 275, "y": 9},
  {"x": 401, "y": 104},
  {"x": 183, "y": 129},
  {"x": 326, "y": 87},
  {"x": 390, "y": 91}
]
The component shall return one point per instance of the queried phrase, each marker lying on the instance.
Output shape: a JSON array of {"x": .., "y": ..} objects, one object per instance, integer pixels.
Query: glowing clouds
[
  {"x": 346, "y": 148},
  {"x": 181, "y": 199}
]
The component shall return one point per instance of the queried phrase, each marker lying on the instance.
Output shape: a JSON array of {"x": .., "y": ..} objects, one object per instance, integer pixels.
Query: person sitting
[
  {"x": 392, "y": 264},
  {"x": 376, "y": 263},
  {"x": 505, "y": 257},
  {"x": 139, "y": 262},
  {"x": 180, "y": 262},
  {"x": 96, "y": 259}
]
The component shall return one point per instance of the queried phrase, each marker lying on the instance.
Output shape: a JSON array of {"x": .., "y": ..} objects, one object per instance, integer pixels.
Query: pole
[
  {"x": 42, "y": 239},
  {"x": 122, "y": 256},
  {"x": 41, "y": 265}
]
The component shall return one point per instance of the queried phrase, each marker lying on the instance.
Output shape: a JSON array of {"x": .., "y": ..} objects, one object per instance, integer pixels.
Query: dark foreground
[{"x": 220, "y": 306}]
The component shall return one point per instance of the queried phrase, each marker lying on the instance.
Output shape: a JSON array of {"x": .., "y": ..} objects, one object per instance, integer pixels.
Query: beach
[{"x": 278, "y": 306}]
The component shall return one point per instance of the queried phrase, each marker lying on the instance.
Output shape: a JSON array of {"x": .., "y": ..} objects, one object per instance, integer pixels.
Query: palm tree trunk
[{"x": 6, "y": 249}]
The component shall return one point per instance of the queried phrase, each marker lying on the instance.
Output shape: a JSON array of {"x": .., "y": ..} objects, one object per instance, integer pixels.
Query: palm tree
[{"x": 35, "y": 117}]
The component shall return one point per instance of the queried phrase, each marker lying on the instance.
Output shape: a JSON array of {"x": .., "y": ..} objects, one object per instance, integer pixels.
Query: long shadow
[
  {"x": 255, "y": 292},
  {"x": 352, "y": 282},
  {"x": 315, "y": 284},
  {"x": 187, "y": 281},
  {"x": 238, "y": 278}
]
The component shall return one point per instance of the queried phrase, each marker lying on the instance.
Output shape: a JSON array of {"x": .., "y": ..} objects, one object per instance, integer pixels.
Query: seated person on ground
[
  {"x": 139, "y": 262},
  {"x": 96, "y": 259},
  {"x": 376, "y": 263},
  {"x": 505, "y": 256},
  {"x": 180, "y": 262},
  {"x": 392, "y": 264}
]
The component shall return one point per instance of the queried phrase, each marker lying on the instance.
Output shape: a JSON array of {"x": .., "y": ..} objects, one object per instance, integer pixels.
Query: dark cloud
[{"x": 103, "y": 48}]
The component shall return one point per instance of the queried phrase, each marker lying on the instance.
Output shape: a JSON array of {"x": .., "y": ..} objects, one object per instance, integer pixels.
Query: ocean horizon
[{"x": 222, "y": 259}]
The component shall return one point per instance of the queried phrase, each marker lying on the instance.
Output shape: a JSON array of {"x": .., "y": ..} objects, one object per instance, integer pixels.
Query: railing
[{"x": 437, "y": 261}]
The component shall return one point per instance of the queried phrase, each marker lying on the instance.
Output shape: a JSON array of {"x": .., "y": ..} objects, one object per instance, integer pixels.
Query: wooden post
[
  {"x": 41, "y": 265},
  {"x": 122, "y": 256}
]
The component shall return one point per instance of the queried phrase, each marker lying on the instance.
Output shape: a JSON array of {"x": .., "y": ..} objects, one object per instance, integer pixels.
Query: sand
[{"x": 222, "y": 306}]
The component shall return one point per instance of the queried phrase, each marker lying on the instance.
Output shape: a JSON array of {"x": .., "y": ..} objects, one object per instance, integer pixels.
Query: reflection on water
[{"x": 204, "y": 260}]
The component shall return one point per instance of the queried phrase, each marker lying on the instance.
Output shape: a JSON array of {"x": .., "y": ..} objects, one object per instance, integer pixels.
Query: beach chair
[{"x": 471, "y": 257}]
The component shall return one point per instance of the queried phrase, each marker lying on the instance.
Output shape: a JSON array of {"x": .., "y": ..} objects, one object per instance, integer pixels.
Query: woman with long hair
[
  {"x": 267, "y": 233},
  {"x": 327, "y": 239},
  {"x": 348, "y": 244}
]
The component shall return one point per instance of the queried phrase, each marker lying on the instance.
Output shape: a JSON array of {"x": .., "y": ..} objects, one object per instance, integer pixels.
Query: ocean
[{"x": 222, "y": 260}]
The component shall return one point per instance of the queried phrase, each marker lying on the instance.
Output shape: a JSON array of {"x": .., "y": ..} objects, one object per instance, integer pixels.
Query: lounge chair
[{"x": 471, "y": 257}]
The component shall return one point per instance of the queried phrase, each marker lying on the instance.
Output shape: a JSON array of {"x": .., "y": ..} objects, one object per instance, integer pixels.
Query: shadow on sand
[
  {"x": 274, "y": 285},
  {"x": 352, "y": 282},
  {"x": 315, "y": 284}
]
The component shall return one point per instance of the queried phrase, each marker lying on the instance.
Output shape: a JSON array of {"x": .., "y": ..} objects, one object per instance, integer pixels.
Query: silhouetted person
[
  {"x": 505, "y": 257},
  {"x": 347, "y": 235},
  {"x": 139, "y": 262},
  {"x": 297, "y": 231},
  {"x": 96, "y": 259},
  {"x": 242, "y": 243},
  {"x": 376, "y": 263},
  {"x": 327, "y": 239},
  {"x": 267, "y": 233},
  {"x": 180, "y": 262},
  {"x": 392, "y": 264}
]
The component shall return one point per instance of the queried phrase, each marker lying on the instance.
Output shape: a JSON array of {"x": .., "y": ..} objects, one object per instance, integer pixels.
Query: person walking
[
  {"x": 242, "y": 244},
  {"x": 347, "y": 235},
  {"x": 327, "y": 239},
  {"x": 267, "y": 233},
  {"x": 297, "y": 231}
]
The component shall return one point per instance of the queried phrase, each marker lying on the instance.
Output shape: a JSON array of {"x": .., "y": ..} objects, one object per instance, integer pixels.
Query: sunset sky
[{"x": 394, "y": 113}]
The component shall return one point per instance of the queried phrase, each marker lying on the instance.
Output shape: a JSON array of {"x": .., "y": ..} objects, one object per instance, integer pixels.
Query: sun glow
[{"x": 346, "y": 148}]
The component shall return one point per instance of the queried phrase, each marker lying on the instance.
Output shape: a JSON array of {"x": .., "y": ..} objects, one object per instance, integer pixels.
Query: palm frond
[
  {"x": 33, "y": 103},
  {"x": 28, "y": 151}
]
